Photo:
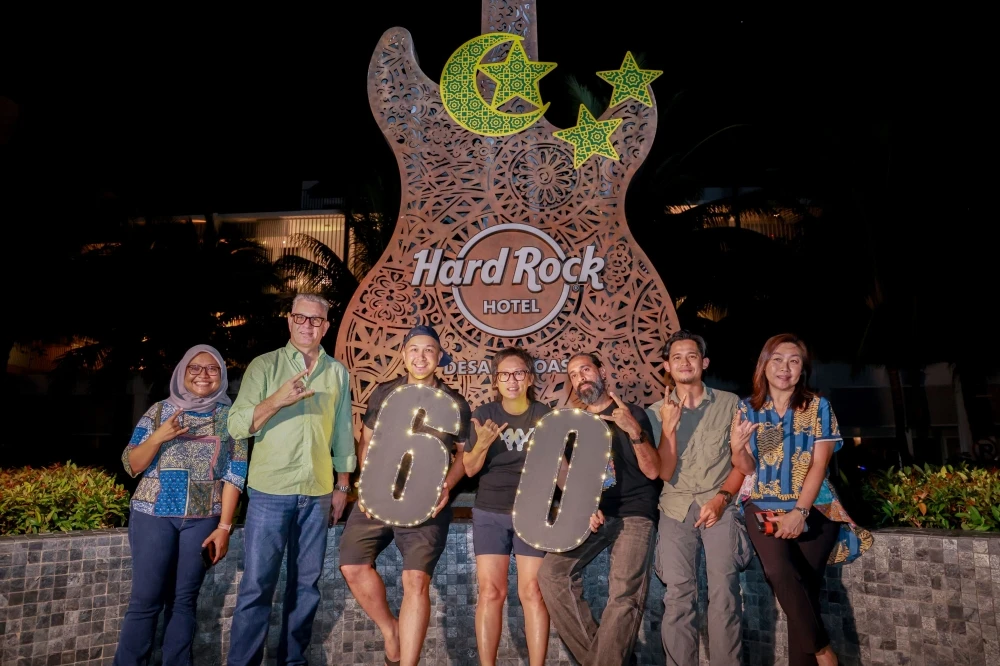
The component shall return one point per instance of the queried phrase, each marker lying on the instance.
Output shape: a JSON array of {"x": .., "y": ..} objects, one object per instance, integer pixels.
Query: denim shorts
[{"x": 493, "y": 534}]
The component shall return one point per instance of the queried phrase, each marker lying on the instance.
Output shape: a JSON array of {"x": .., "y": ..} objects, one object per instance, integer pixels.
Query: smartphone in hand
[{"x": 208, "y": 555}]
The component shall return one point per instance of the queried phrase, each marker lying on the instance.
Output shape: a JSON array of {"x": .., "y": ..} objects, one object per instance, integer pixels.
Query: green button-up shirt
[
  {"x": 297, "y": 450},
  {"x": 704, "y": 459}
]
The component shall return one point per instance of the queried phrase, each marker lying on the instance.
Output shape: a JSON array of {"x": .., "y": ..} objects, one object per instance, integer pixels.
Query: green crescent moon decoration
[{"x": 515, "y": 77}]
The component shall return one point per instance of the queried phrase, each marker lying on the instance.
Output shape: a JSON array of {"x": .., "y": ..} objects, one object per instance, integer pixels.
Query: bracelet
[
  {"x": 344, "y": 489},
  {"x": 804, "y": 512},
  {"x": 225, "y": 526}
]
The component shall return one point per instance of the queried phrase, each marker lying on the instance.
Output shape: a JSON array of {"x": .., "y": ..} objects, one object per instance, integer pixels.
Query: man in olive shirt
[
  {"x": 696, "y": 509},
  {"x": 296, "y": 402}
]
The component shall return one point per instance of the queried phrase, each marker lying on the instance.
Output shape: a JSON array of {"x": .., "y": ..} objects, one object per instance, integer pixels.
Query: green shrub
[
  {"x": 60, "y": 498},
  {"x": 951, "y": 498}
]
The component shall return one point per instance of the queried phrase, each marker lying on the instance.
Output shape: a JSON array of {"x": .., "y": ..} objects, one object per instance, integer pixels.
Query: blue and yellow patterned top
[
  {"x": 783, "y": 448},
  {"x": 186, "y": 476}
]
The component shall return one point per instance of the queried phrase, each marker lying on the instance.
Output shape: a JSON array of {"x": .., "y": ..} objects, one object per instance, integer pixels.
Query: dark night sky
[{"x": 208, "y": 113}]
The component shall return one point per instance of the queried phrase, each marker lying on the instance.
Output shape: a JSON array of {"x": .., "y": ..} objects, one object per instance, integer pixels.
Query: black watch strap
[{"x": 726, "y": 496}]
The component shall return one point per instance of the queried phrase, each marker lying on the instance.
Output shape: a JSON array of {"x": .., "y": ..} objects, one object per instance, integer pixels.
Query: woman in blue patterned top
[
  {"x": 192, "y": 477},
  {"x": 782, "y": 438}
]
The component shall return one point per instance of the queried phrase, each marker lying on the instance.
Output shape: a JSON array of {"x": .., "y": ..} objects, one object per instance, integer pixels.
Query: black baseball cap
[{"x": 430, "y": 332}]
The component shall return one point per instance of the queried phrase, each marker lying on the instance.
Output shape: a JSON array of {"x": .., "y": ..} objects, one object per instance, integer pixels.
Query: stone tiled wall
[{"x": 915, "y": 597}]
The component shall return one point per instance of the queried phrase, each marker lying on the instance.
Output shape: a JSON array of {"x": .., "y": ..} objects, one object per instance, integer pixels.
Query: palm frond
[
  {"x": 305, "y": 273},
  {"x": 325, "y": 256},
  {"x": 579, "y": 93}
]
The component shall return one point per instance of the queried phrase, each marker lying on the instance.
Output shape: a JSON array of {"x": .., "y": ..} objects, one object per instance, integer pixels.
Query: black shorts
[
  {"x": 421, "y": 546},
  {"x": 493, "y": 534}
]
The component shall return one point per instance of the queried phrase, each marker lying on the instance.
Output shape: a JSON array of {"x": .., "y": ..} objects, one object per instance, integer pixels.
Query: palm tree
[
  {"x": 370, "y": 226},
  {"x": 137, "y": 304},
  {"x": 325, "y": 273}
]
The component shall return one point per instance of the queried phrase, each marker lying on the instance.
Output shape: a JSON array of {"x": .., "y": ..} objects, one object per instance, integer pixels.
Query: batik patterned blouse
[
  {"x": 185, "y": 478},
  {"x": 783, "y": 448}
]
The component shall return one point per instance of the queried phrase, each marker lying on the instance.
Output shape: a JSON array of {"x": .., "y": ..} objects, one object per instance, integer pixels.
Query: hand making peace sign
[{"x": 622, "y": 417}]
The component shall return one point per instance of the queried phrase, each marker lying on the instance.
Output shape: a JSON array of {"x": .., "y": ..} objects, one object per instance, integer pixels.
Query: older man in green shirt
[
  {"x": 696, "y": 510},
  {"x": 296, "y": 402}
]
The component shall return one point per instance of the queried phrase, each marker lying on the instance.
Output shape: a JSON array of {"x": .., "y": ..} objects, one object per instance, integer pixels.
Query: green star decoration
[
  {"x": 630, "y": 81},
  {"x": 590, "y": 137},
  {"x": 517, "y": 76}
]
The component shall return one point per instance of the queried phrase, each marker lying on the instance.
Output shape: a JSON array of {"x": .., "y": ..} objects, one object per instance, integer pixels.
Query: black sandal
[{"x": 391, "y": 663}]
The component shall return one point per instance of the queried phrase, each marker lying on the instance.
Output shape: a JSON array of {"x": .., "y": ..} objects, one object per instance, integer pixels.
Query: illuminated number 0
[
  {"x": 393, "y": 438},
  {"x": 581, "y": 493}
]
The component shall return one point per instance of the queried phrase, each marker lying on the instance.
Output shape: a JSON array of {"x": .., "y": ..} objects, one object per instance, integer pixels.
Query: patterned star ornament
[
  {"x": 630, "y": 81},
  {"x": 589, "y": 137},
  {"x": 517, "y": 76}
]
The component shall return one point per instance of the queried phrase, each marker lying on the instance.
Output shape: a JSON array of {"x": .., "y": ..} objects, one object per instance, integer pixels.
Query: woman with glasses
[
  {"x": 182, "y": 511},
  {"x": 496, "y": 449}
]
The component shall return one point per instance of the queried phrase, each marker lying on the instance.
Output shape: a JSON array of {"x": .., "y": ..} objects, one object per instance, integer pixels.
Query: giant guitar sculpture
[{"x": 510, "y": 231}]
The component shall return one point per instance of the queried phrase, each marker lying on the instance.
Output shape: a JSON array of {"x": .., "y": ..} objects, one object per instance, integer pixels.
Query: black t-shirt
[
  {"x": 501, "y": 472},
  {"x": 632, "y": 493},
  {"x": 383, "y": 390}
]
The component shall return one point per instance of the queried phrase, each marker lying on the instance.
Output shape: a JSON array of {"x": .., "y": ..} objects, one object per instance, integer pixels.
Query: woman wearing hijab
[{"x": 192, "y": 477}]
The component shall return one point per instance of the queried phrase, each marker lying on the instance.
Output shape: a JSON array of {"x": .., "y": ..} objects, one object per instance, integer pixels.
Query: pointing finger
[
  {"x": 617, "y": 399},
  {"x": 607, "y": 418},
  {"x": 300, "y": 375},
  {"x": 502, "y": 427},
  {"x": 478, "y": 424}
]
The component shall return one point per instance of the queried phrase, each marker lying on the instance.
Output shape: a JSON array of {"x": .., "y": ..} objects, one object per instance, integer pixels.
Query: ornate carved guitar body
[{"x": 500, "y": 239}]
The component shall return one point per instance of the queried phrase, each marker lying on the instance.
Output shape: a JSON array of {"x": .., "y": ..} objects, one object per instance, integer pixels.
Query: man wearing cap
[{"x": 365, "y": 537}]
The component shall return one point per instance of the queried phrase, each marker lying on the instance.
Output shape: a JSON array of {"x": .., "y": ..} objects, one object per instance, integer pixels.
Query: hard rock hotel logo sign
[
  {"x": 510, "y": 231},
  {"x": 509, "y": 280}
]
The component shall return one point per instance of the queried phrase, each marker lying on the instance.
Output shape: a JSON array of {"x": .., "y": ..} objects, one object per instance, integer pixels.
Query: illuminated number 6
[
  {"x": 401, "y": 431},
  {"x": 581, "y": 493}
]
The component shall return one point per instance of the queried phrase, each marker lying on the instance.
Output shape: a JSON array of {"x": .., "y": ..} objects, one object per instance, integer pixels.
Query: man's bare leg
[
  {"x": 367, "y": 587},
  {"x": 415, "y": 612}
]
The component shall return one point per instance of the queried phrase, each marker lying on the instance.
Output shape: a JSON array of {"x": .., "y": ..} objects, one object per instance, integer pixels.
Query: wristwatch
[
  {"x": 635, "y": 440},
  {"x": 804, "y": 512},
  {"x": 344, "y": 489},
  {"x": 225, "y": 526},
  {"x": 727, "y": 496}
]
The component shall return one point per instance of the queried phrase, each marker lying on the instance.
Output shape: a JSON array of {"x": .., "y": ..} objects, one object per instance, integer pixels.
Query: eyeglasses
[
  {"x": 301, "y": 319},
  {"x": 518, "y": 375},
  {"x": 212, "y": 370}
]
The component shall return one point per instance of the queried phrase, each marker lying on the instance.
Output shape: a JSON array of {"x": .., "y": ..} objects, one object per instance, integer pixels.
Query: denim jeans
[
  {"x": 677, "y": 566},
  {"x": 273, "y": 522},
  {"x": 166, "y": 575},
  {"x": 561, "y": 581}
]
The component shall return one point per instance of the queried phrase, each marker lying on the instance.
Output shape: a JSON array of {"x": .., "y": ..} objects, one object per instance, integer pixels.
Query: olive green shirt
[
  {"x": 298, "y": 449},
  {"x": 704, "y": 459}
]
